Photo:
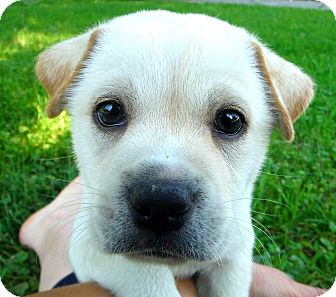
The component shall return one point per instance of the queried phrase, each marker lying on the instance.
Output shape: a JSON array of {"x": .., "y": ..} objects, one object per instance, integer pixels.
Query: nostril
[
  {"x": 142, "y": 209},
  {"x": 178, "y": 211}
]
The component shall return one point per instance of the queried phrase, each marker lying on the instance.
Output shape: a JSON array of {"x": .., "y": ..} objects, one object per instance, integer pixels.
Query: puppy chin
[
  {"x": 167, "y": 249},
  {"x": 158, "y": 257}
]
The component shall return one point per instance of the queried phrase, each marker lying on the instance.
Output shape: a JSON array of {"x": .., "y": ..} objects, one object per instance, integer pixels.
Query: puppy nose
[{"x": 161, "y": 206}]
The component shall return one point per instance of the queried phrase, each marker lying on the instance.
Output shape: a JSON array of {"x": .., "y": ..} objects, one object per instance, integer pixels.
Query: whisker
[
  {"x": 262, "y": 199},
  {"x": 77, "y": 238},
  {"x": 71, "y": 181},
  {"x": 58, "y": 158},
  {"x": 262, "y": 257},
  {"x": 68, "y": 204},
  {"x": 279, "y": 175},
  {"x": 73, "y": 194},
  {"x": 268, "y": 235},
  {"x": 221, "y": 245},
  {"x": 237, "y": 221},
  {"x": 71, "y": 216},
  {"x": 264, "y": 213}
]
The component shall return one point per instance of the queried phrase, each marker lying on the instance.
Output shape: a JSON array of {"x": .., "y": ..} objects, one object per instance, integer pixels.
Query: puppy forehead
[{"x": 161, "y": 52}]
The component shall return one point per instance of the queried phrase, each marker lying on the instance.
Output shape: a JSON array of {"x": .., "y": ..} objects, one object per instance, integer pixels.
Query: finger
[{"x": 186, "y": 288}]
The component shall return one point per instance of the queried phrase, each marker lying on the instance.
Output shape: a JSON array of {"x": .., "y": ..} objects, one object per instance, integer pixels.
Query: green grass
[{"x": 301, "y": 175}]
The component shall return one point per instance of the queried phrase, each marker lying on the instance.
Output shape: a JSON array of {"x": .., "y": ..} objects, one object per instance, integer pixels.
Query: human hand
[
  {"x": 186, "y": 288},
  {"x": 267, "y": 282},
  {"x": 271, "y": 282}
]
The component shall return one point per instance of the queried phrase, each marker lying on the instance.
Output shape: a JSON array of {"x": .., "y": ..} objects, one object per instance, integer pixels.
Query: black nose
[{"x": 161, "y": 205}]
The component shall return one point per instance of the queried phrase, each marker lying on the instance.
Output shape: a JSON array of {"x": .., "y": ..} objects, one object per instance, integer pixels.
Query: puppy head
[{"x": 171, "y": 118}]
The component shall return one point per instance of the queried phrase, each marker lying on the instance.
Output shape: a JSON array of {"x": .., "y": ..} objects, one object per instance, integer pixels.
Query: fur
[{"x": 171, "y": 72}]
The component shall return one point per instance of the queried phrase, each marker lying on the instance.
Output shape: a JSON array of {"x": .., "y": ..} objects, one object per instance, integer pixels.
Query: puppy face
[{"x": 171, "y": 117}]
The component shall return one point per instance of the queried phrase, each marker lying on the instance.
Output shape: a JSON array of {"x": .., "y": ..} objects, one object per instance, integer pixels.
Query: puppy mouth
[
  {"x": 156, "y": 253},
  {"x": 167, "y": 246}
]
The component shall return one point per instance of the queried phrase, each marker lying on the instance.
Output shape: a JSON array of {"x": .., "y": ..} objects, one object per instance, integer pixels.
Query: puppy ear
[
  {"x": 290, "y": 88},
  {"x": 58, "y": 66}
]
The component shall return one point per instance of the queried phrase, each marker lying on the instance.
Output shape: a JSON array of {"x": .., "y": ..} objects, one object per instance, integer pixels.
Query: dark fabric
[{"x": 70, "y": 279}]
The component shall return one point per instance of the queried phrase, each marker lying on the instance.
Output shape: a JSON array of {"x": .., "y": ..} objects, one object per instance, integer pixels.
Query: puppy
[{"x": 171, "y": 116}]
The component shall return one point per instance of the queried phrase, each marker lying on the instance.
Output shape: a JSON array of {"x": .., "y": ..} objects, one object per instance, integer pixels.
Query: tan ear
[
  {"x": 58, "y": 66},
  {"x": 290, "y": 88}
]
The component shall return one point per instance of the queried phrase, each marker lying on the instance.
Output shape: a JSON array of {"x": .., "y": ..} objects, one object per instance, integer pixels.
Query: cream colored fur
[{"x": 172, "y": 66}]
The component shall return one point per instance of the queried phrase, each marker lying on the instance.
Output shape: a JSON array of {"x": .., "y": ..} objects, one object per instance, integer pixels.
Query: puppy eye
[
  {"x": 110, "y": 113},
  {"x": 229, "y": 121}
]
